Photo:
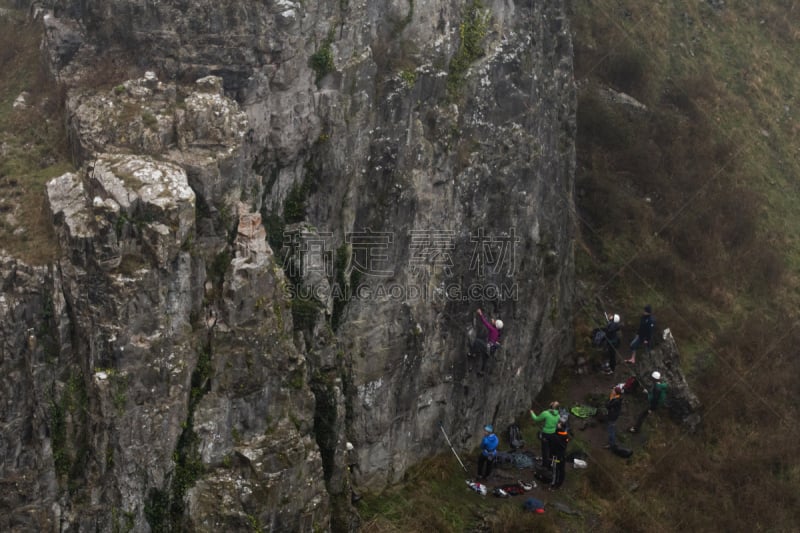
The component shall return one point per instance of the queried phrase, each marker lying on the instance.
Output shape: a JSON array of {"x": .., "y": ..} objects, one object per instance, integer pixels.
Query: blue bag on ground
[{"x": 533, "y": 504}]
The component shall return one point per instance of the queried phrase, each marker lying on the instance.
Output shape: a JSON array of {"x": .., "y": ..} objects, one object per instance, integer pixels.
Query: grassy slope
[
  {"x": 691, "y": 206},
  {"x": 33, "y": 142},
  {"x": 717, "y": 248}
]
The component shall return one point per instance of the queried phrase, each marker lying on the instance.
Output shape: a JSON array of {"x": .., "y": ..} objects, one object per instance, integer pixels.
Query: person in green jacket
[
  {"x": 550, "y": 418},
  {"x": 656, "y": 397}
]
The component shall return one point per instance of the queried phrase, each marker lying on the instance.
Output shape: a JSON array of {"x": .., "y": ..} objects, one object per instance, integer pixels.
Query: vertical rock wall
[
  {"x": 32, "y": 419},
  {"x": 470, "y": 175}
]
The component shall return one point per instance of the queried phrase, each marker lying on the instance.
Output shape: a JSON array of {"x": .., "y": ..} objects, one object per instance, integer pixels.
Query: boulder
[{"x": 683, "y": 404}]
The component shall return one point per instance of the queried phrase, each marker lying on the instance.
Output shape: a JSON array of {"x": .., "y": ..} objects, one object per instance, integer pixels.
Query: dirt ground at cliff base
[
  {"x": 570, "y": 387},
  {"x": 437, "y": 491}
]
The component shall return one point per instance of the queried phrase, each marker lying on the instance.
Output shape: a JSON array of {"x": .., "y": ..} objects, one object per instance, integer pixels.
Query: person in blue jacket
[{"x": 488, "y": 452}]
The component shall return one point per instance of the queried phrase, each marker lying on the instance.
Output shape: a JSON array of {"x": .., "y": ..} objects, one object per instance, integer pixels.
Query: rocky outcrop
[
  {"x": 255, "y": 424},
  {"x": 410, "y": 163},
  {"x": 196, "y": 127},
  {"x": 683, "y": 404},
  {"x": 167, "y": 389}
]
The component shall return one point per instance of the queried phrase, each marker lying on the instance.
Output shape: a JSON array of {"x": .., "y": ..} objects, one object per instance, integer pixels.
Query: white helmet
[
  {"x": 349, "y": 446},
  {"x": 498, "y": 324},
  {"x": 656, "y": 375},
  {"x": 616, "y": 319}
]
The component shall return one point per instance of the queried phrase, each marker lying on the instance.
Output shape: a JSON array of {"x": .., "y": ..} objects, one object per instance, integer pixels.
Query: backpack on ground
[
  {"x": 512, "y": 490},
  {"x": 522, "y": 460},
  {"x": 515, "y": 437},
  {"x": 535, "y": 505},
  {"x": 503, "y": 458},
  {"x": 544, "y": 473},
  {"x": 622, "y": 452}
]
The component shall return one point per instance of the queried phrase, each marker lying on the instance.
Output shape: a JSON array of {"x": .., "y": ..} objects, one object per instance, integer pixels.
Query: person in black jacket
[
  {"x": 644, "y": 336},
  {"x": 614, "y": 407},
  {"x": 612, "y": 342},
  {"x": 558, "y": 451}
]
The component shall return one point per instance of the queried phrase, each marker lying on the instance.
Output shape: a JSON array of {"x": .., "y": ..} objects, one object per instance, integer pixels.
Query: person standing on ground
[
  {"x": 614, "y": 407},
  {"x": 656, "y": 397},
  {"x": 493, "y": 328},
  {"x": 488, "y": 452},
  {"x": 558, "y": 447},
  {"x": 612, "y": 342},
  {"x": 551, "y": 419},
  {"x": 644, "y": 335}
]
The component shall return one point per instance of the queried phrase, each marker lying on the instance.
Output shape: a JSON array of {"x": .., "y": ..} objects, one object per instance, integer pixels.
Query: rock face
[
  {"x": 408, "y": 163},
  {"x": 684, "y": 405},
  {"x": 165, "y": 389},
  {"x": 29, "y": 418}
]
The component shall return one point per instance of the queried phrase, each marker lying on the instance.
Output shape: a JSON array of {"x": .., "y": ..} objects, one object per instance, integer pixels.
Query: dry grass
[
  {"x": 434, "y": 497},
  {"x": 33, "y": 141},
  {"x": 689, "y": 204}
]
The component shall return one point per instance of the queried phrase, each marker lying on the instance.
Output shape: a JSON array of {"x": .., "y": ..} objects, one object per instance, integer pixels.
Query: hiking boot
[
  {"x": 632, "y": 430},
  {"x": 606, "y": 446},
  {"x": 608, "y": 372}
]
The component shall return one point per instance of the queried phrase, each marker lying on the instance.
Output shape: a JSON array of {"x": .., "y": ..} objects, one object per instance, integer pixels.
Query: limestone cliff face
[
  {"x": 407, "y": 161},
  {"x": 158, "y": 385}
]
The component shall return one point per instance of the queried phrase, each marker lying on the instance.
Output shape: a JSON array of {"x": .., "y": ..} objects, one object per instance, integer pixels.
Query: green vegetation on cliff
[{"x": 471, "y": 33}]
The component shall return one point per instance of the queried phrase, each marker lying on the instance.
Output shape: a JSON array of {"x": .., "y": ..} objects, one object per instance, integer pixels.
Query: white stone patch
[
  {"x": 369, "y": 391},
  {"x": 21, "y": 101},
  {"x": 67, "y": 196},
  {"x": 534, "y": 233},
  {"x": 285, "y": 5},
  {"x": 424, "y": 401}
]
